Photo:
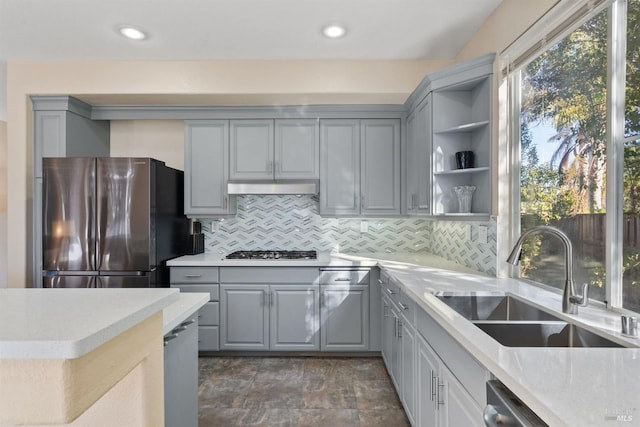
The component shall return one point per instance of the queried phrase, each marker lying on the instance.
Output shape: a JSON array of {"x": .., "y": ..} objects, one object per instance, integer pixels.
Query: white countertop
[
  {"x": 564, "y": 386},
  {"x": 187, "y": 304},
  {"x": 68, "y": 323}
]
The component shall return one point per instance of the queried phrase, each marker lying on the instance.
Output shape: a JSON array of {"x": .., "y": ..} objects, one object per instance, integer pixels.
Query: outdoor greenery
[{"x": 566, "y": 88}]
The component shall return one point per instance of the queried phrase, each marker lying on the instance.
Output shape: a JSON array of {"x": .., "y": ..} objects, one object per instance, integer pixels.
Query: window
[
  {"x": 563, "y": 156},
  {"x": 631, "y": 173},
  {"x": 573, "y": 113}
]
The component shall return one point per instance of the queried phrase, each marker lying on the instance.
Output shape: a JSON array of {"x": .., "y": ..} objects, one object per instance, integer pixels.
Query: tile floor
[{"x": 297, "y": 391}]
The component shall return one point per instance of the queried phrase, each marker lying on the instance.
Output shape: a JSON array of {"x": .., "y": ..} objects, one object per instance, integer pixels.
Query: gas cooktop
[{"x": 301, "y": 255}]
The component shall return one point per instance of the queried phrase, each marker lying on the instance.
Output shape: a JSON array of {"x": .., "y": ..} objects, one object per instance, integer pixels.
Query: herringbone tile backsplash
[{"x": 293, "y": 223}]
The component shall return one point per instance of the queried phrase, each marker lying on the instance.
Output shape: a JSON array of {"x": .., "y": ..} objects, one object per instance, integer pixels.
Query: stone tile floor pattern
[{"x": 297, "y": 391}]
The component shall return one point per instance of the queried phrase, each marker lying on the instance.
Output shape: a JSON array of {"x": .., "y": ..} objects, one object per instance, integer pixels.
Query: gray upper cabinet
[
  {"x": 297, "y": 149},
  {"x": 251, "y": 151},
  {"x": 206, "y": 171},
  {"x": 263, "y": 150},
  {"x": 360, "y": 167},
  {"x": 418, "y": 165},
  {"x": 339, "y": 167},
  {"x": 380, "y": 167}
]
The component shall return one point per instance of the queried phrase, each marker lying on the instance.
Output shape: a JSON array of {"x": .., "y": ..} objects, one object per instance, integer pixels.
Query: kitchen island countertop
[{"x": 69, "y": 323}]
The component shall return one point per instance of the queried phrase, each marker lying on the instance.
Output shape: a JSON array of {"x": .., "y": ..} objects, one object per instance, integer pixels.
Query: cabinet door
[
  {"x": 297, "y": 149},
  {"x": 339, "y": 167},
  {"x": 344, "y": 316},
  {"x": 419, "y": 159},
  {"x": 427, "y": 374},
  {"x": 387, "y": 331},
  {"x": 459, "y": 408},
  {"x": 205, "y": 163},
  {"x": 251, "y": 153},
  {"x": 408, "y": 362},
  {"x": 380, "y": 163},
  {"x": 244, "y": 317},
  {"x": 295, "y": 313}
]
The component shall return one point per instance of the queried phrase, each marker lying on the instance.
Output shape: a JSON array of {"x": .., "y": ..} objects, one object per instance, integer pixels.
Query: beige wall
[
  {"x": 510, "y": 19},
  {"x": 3, "y": 204},
  {"x": 160, "y": 139}
]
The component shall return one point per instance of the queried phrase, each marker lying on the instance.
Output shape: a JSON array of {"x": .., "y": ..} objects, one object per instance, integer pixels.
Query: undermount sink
[
  {"x": 543, "y": 334},
  {"x": 515, "y": 323},
  {"x": 501, "y": 307}
]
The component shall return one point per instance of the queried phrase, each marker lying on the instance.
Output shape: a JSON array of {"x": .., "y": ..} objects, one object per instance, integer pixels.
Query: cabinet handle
[
  {"x": 385, "y": 310},
  {"x": 321, "y": 302},
  {"x": 439, "y": 385},
  {"x": 399, "y": 329},
  {"x": 187, "y": 323},
  {"x": 433, "y": 388},
  {"x": 192, "y": 276},
  {"x": 390, "y": 292},
  {"x": 342, "y": 279},
  {"x": 395, "y": 326},
  {"x": 224, "y": 203},
  {"x": 403, "y": 307},
  {"x": 169, "y": 338},
  {"x": 272, "y": 297},
  {"x": 178, "y": 330},
  {"x": 380, "y": 281}
]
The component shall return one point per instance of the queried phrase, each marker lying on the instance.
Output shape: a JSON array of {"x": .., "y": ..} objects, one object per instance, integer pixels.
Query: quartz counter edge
[
  {"x": 69, "y": 323},
  {"x": 188, "y": 304}
]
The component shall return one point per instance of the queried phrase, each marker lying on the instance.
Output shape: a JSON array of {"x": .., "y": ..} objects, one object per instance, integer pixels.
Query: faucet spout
[{"x": 570, "y": 299}]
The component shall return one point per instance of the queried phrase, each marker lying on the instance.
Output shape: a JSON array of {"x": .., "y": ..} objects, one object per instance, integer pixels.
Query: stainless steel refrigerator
[{"x": 111, "y": 222}]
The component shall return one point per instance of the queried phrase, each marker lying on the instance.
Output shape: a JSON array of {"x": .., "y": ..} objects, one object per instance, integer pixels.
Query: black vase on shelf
[{"x": 464, "y": 159}]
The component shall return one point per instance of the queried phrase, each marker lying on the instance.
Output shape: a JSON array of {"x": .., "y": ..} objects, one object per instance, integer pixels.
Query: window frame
[{"x": 559, "y": 20}]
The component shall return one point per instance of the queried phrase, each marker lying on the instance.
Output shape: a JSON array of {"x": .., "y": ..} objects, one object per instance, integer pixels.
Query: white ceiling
[{"x": 238, "y": 29}]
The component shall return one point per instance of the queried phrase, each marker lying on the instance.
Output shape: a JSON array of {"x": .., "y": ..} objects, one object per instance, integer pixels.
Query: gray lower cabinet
[
  {"x": 202, "y": 279},
  {"x": 269, "y": 308},
  {"x": 295, "y": 313},
  {"x": 206, "y": 154},
  {"x": 270, "y": 317},
  {"x": 181, "y": 375},
  {"x": 344, "y": 314},
  {"x": 244, "y": 317},
  {"x": 438, "y": 382}
]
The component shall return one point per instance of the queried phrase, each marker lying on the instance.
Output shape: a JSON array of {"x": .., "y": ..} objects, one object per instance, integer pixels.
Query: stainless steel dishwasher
[{"x": 504, "y": 409}]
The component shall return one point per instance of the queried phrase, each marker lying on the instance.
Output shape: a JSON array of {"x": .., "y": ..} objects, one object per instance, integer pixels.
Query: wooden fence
[{"x": 588, "y": 234}]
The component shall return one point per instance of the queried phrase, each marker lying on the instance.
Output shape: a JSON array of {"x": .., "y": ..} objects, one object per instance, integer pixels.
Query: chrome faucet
[{"x": 570, "y": 300}]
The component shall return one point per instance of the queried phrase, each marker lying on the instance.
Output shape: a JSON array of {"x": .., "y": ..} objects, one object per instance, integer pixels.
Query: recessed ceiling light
[
  {"x": 132, "y": 33},
  {"x": 334, "y": 31}
]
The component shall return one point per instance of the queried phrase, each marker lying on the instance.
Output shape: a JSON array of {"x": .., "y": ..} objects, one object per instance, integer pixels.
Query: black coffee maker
[{"x": 196, "y": 238}]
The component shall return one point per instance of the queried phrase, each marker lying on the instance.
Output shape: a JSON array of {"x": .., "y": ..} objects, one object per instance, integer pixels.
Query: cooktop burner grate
[{"x": 301, "y": 255}]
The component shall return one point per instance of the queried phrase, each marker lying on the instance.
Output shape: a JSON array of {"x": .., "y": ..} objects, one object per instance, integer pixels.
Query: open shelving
[{"x": 462, "y": 122}]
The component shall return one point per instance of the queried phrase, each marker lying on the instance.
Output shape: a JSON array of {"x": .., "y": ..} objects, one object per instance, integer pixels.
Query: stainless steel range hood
[{"x": 273, "y": 187}]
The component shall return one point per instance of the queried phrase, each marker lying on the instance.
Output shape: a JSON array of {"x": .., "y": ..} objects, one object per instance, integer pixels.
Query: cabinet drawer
[
  {"x": 354, "y": 277},
  {"x": 209, "y": 314},
  {"x": 213, "y": 290},
  {"x": 208, "y": 338},
  {"x": 471, "y": 374},
  {"x": 194, "y": 274},
  {"x": 262, "y": 275}
]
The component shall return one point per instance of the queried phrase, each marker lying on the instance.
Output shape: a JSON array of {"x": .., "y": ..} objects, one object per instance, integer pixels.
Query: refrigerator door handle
[
  {"x": 52, "y": 273},
  {"x": 123, "y": 273}
]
